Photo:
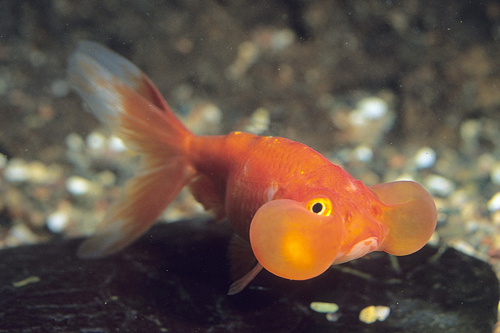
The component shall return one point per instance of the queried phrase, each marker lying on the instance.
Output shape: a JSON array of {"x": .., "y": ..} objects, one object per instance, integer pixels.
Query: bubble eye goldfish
[{"x": 294, "y": 212}]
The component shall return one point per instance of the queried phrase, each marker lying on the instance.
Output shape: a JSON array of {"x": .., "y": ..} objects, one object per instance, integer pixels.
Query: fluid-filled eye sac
[{"x": 293, "y": 242}]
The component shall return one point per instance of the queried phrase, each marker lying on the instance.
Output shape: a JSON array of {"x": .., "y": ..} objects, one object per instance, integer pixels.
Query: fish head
[
  {"x": 397, "y": 217},
  {"x": 297, "y": 240}
]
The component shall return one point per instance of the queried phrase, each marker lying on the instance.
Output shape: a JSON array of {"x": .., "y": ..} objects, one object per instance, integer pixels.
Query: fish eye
[
  {"x": 317, "y": 208},
  {"x": 320, "y": 206}
]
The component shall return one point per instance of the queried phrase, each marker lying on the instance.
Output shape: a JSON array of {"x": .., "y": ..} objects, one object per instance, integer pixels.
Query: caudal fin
[
  {"x": 409, "y": 215},
  {"x": 121, "y": 95}
]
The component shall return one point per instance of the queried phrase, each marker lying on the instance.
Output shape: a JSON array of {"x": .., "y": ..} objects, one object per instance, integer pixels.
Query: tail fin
[
  {"x": 410, "y": 216},
  {"x": 119, "y": 94}
]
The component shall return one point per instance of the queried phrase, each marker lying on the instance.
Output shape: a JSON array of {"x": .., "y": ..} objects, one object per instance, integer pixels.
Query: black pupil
[{"x": 317, "y": 208}]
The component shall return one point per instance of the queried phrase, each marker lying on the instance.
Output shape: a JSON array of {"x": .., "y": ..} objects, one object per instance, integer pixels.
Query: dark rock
[{"x": 175, "y": 279}]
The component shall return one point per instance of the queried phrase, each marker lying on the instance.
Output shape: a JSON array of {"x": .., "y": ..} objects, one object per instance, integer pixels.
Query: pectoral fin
[
  {"x": 244, "y": 266},
  {"x": 240, "y": 284}
]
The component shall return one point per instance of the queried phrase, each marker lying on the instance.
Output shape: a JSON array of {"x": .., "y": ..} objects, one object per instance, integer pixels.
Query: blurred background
[{"x": 386, "y": 89}]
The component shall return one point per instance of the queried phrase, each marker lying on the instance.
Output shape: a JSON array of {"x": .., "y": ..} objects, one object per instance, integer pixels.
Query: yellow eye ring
[{"x": 320, "y": 206}]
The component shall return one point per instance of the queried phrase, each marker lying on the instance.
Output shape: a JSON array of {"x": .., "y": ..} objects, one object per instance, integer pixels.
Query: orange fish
[{"x": 294, "y": 212}]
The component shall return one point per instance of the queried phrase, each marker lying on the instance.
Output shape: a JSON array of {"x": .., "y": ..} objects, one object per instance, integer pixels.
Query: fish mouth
[{"x": 359, "y": 249}]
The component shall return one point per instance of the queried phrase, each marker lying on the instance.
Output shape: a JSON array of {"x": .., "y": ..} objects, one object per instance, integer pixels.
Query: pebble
[
  {"x": 372, "y": 313},
  {"x": 434, "y": 240},
  {"x": 24, "y": 282},
  {"x": 363, "y": 153},
  {"x": 115, "y": 144},
  {"x": 38, "y": 172},
  {"x": 259, "y": 122},
  {"x": 59, "y": 88},
  {"x": 96, "y": 141},
  {"x": 494, "y": 202},
  {"x": 204, "y": 119},
  {"x": 469, "y": 132},
  {"x": 248, "y": 52},
  {"x": 333, "y": 316},
  {"x": 485, "y": 164},
  {"x": 75, "y": 142},
  {"x": 105, "y": 178},
  {"x": 57, "y": 221},
  {"x": 495, "y": 174},
  {"x": 20, "y": 234},
  {"x": 324, "y": 307},
  {"x": 425, "y": 158},
  {"x": 77, "y": 185},
  {"x": 404, "y": 176},
  {"x": 373, "y": 107},
  {"x": 366, "y": 123},
  {"x": 281, "y": 39},
  {"x": 16, "y": 171},
  {"x": 439, "y": 185}
]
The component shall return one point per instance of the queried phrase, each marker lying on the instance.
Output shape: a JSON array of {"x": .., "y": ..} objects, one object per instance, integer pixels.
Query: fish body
[
  {"x": 252, "y": 170},
  {"x": 294, "y": 212}
]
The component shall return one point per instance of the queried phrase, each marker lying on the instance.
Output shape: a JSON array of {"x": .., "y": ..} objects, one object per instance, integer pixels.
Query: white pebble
[
  {"x": 21, "y": 234},
  {"x": 357, "y": 118},
  {"x": 282, "y": 39},
  {"x": 439, "y": 185},
  {"x": 404, "y": 176},
  {"x": 96, "y": 141},
  {"x": 425, "y": 158},
  {"x": 373, "y": 107},
  {"x": 363, "y": 153},
  {"x": 57, "y": 221},
  {"x": 382, "y": 312},
  {"x": 495, "y": 174},
  {"x": 77, "y": 185},
  {"x": 211, "y": 114},
  {"x": 116, "y": 144},
  {"x": 259, "y": 121},
  {"x": 16, "y": 171},
  {"x": 494, "y": 203},
  {"x": 333, "y": 316}
]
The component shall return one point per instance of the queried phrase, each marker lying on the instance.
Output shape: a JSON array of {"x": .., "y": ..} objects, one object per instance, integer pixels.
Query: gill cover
[{"x": 293, "y": 242}]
